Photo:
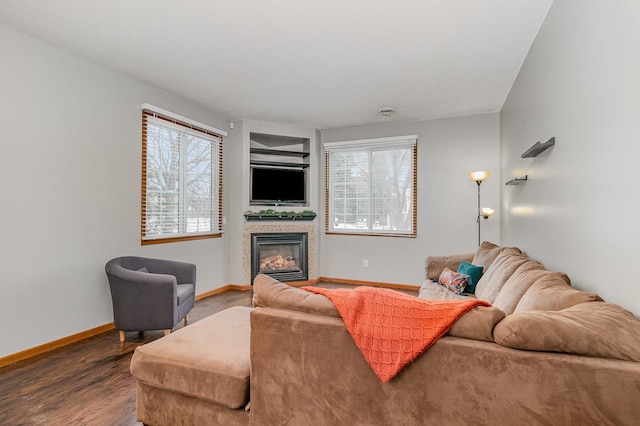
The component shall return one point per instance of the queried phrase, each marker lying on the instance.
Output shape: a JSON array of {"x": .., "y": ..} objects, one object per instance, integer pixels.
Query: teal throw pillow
[{"x": 474, "y": 272}]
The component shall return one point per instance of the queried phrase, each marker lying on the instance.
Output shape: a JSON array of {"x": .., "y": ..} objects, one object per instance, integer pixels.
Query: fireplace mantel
[{"x": 279, "y": 216}]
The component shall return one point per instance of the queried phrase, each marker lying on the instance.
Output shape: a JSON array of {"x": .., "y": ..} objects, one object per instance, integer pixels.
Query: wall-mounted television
[{"x": 275, "y": 186}]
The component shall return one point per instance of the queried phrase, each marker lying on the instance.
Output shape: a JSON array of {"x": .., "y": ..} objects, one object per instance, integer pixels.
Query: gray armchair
[{"x": 150, "y": 294}]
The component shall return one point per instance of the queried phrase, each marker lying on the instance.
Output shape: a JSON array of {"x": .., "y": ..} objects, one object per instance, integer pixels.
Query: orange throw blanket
[{"x": 390, "y": 328}]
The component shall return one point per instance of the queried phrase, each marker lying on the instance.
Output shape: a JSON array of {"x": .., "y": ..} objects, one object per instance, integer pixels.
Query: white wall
[
  {"x": 578, "y": 213},
  {"x": 70, "y": 173},
  {"x": 235, "y": 195},
  {"x": 448, "y": 149}
]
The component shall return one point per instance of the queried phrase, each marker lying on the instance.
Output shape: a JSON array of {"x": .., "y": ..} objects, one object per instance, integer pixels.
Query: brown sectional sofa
[{"x": 545, "y": 353}]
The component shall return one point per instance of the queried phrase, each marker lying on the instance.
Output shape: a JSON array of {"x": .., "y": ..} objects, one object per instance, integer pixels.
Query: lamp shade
[
  {"x": 487, "y": 211},
  {"x": 478, "y": 176}
]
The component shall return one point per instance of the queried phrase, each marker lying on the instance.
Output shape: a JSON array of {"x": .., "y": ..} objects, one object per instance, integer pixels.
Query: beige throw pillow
[{"x": 594, "y": 329}]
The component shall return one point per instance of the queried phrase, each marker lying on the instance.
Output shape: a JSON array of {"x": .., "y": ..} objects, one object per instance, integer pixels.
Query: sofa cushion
[
  {"x": 453, "y": 281},
  {"x": 593, "y": 328},
  {"x": 185, "y": 291},
  {"x": 497, "y": 274},
  {"x": 434, "y": 291},
  {"x": 209, "y": 359},
  {"x": 553, "y": 292},
  {"x": 474, "y": 272},
  {"x": 487, "y": 253},
  {"x": 517, "y": 285},
  {"x": 477, "y": 324},
  {"x": 271, "y": 293}
]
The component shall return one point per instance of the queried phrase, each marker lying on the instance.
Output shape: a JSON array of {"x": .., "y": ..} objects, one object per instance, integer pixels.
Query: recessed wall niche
[{"x": 278, "y": 170}]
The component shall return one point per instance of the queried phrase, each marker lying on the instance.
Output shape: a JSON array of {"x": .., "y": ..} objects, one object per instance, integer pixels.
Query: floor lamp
[{"x": 478, "y": 177}]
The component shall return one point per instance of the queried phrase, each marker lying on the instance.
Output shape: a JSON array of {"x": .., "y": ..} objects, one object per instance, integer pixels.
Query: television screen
[{"x": 272, "y": 186}]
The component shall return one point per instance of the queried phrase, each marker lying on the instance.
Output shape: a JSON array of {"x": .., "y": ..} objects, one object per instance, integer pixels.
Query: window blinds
[
  {"x": 371, "y": 186},
  {"x": 182, "y": 179}
]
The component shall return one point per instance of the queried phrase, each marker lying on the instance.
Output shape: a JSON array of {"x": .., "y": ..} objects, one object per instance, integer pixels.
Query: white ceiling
[{"x": 323, "y": 63}]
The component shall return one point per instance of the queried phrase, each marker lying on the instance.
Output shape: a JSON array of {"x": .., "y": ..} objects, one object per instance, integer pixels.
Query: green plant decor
[{"x": 271, "y": 214}]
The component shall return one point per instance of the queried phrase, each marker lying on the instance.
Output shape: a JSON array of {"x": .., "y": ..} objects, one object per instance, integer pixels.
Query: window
[
  {"x": 181, "y": 178},
  {"x": 371, "y": 186}
]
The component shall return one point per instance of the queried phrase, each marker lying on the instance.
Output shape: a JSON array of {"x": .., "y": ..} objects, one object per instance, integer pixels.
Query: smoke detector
[{"x": 385, "y": 111}]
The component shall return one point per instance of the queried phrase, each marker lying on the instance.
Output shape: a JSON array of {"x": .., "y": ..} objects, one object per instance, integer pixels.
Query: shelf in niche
[
  {"x": 278, "y": 164},
  {"x": 279, "y": 152},
  {"x": 538, "y": 147},
  {"x": 518, "y": 180}
]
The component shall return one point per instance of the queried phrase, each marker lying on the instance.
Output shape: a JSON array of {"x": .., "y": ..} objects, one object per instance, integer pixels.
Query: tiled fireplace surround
[{"x": 249, "y": 229}]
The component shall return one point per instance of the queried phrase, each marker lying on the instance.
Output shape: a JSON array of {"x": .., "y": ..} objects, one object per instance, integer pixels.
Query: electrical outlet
[{"x": 365, "y": 263}]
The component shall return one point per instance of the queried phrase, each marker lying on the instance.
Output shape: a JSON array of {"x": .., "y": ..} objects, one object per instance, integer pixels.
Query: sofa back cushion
[
  {"x": 487, "y": 253},
  {"x": 553, "y": 292},
  {"x": 518, "y": 284},
  {"x": 433, "y": 291},
  {"x": 593, "y": 328},
  {"x": 499, "y": 271},
  {"x": 271, "y": 293}
]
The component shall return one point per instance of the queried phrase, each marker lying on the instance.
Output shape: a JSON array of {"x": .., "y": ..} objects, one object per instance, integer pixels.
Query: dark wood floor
[{"x": 88, "y": 382}]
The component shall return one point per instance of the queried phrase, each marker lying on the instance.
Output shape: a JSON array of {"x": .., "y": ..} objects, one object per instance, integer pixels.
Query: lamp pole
[
  {"x": 479, "y": 212},
  {"x": 478, "y": 177}
]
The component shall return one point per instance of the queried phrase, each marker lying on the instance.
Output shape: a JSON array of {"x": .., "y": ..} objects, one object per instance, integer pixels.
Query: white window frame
[
  {"x": 187, "y": 131},
  {"x": 333, "y": 225}
]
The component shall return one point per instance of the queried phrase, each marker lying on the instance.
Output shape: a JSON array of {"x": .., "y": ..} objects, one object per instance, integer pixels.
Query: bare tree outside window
[
  {"x": 392, "y": 195},
  {"x": 371, "y": 190},
  {"x": 181, "y": 185}
]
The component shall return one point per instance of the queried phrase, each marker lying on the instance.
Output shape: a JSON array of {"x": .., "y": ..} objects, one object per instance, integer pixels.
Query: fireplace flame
[{"x": 277, "y": 263}]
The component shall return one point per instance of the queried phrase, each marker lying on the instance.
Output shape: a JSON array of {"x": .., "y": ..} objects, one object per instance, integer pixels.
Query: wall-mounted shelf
[
  {"x": 278, "y": 152},
  {"x": 518, "y": 180},
  {"x": 278, "y": 164},
  {"x": 538, "y": 147}
]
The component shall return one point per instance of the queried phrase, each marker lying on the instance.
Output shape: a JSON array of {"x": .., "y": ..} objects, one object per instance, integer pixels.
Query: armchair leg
[
  {"x": 186, "y": 320},
  {"x": 167, "y": 331},
  {"x": 121, "y": 336}
]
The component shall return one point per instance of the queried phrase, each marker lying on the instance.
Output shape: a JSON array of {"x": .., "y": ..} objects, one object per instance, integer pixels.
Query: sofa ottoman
[{"x": 198, "y": 374}]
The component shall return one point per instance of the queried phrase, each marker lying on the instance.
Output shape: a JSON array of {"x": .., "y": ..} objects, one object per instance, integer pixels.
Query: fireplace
[{"x": 282, "y": 256}]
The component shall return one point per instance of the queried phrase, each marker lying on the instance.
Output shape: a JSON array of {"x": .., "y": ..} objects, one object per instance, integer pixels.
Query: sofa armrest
[{"x": 434, "y": 265}]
